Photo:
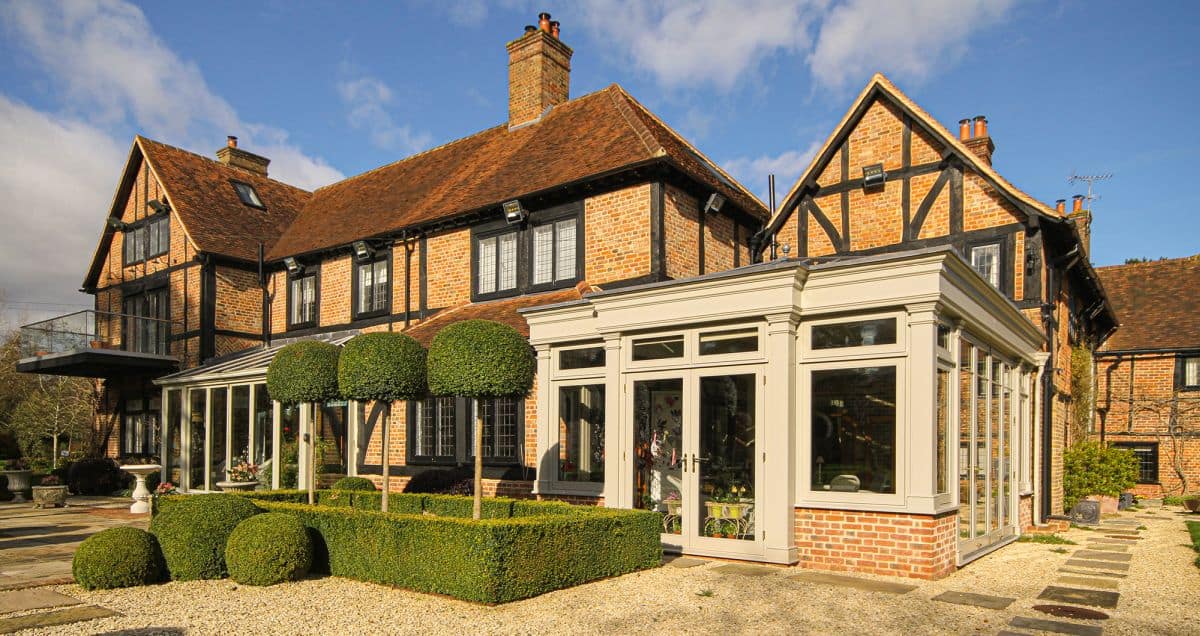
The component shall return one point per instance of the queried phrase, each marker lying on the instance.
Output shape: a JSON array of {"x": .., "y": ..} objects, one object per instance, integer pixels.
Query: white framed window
[
  {"x": 372, "y": 287},
  {"x": 1191, "y": 373},
  {"x": 986, "y": 260}
]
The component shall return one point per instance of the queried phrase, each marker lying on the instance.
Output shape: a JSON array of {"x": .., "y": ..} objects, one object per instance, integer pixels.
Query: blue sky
[{"x": 330, "y": 89}]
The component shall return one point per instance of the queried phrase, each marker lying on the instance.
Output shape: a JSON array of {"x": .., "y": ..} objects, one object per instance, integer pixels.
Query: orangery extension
[{"x": 871, "y": 377}]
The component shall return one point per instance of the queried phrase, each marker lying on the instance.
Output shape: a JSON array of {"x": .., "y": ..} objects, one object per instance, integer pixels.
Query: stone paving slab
[
  {"x": 1086, "y": 581},
  {"x": 1107, "y": 541},
  {"x": 683, "y": 562},
  {"x": 867, "y": 585},
  {"x": 21, "y": 583},
  {"x": 39, "y": 530},
  {"x": 54, "y": 618},
  {"x": 1100, "y": 565},
  {"x": 1075, "y": 570},
  {"x": 1005, "y": 632},
  {"x": 1096, "y": 598},
  {"x": 1107, "y": 547},
  {"x": 974, "y": 600},
  {"x": 1058, "y": 627},
  {"x": 1097, "y": 555},
  {"x": 33, "y": 598},
  {"x": 742, "y": 569}
]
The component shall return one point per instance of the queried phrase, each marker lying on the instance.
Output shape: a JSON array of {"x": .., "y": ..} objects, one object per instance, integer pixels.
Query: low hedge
[
  {"x": 354, "y": 483},
  {"x": 269, "y": 548},
  {"x": 117, "y": 557},
  {"x": 193, "y": 530},
  {"x": 488, "y": 561}
]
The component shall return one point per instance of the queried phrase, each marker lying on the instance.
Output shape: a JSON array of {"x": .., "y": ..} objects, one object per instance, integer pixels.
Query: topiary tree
[
  {"x": 480, "y": 359},
  {"x": 1091, "y": 468},
  {"x": 305, "y": 372},
  {"x": 117, "y": 557},
  {"x": 354, "y": 483},
  {"x": 269, "y": 548},
  {"x": 194, "y": 530},
  {"x": 384, "y": 367}
]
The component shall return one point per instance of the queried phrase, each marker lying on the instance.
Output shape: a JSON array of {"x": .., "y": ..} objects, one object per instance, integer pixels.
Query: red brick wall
[
  {"x": 895, "y": 544},
  {"x": 617, "y": 231},
  {"x": 681, "y": 225}
]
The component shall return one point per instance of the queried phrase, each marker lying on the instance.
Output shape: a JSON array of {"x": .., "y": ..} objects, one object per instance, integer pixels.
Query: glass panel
[
  {"x": 854, "y": 429},
  {"x": 447, "y": 427},
  {"x": 371, "y": 419},
  {"x": 658, "y": 449},
  {"x": 380, "y": 296},
  {"x": 289, "y": 447},
  {"x": 487, "y": 266},
  {"x": 986, "y": 260},
  {"x": 995, "y": 425},
  {"x": 508, "y": 261},
  {"x": 941, "y": 482},
  {"x": 1006, "y": 447},
  {"x": 966, "y": 457},
  {"x": 173, "y": 443},
  {"x": 199, "y": 439},
  {"x": 365, "y": 287},
  {"x": 565, "y": 241},
  {"x": 735, "y": 341},
  {"x": 264, "y": 433},
  {"x": 334, "y": 421},
  {"x": 424, "y": 414},
  {"x": 241, "y": 423},
  {"x": 581, "y": 433},
  {"x": 943, "y": 336},
  {"x": 980, "y": 441},
  {"x": 658, "y": 348},
  {"x": 859, "y": 333},
  {"x": 727, "y": 456},
  {"x": 543, "y": 254},
  {"x": 218, "y": 423},
  {"x": 586, "y": 358},
  {"x": 1191, "y": 372}
]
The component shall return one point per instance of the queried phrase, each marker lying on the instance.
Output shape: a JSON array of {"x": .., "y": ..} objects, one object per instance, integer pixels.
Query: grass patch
[
  {"x": 1060, "y": 550},
  {"x": 705, "y": 593},
  {"x": 1052, "y": 539},
  {"x": 1194, "y": 530},
  {"x": 1142, "y": 528}
]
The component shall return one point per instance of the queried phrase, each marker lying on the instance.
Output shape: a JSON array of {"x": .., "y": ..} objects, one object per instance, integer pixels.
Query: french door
[{"x": 697, "y": 457}]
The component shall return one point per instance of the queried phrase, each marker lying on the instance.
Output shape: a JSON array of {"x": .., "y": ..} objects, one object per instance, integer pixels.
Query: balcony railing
[{"x": 91, "y": 329}]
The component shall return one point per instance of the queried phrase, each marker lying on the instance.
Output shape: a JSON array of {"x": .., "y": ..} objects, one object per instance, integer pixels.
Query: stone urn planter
[
  {"x": 1107, "y": 504},
  {"x": 232, "y": 486},
  {"x": 141, "y": 496},
  {"x": 1192, "y": 504},
  {"x": 49, "y": 496},
  {"x": 18, "y": 483}
]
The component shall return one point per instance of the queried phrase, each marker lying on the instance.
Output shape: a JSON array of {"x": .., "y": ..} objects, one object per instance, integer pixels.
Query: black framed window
[
  {"x": 1188, "y": 374},
  {"x": 302, "y": 301},
  {"x": 146, "y": 321},
  {"x": 147, "y": 239},
  {"x": 544, "y": 252},
  {"x": 372, "y": 286},
  {"x": 140, "y": 426},
  {"x": 442, "y": 430},
  {"x": 1147, "y": 456},
  {"x": 554, "y": 247},
  {"x": 247, "y": 195},
  {"x": 986, "y": 260},
  {"x": 496, "y": 263}
]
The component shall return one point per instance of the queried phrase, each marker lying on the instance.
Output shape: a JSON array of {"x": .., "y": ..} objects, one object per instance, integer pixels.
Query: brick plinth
[{"x": 895, "y": 544}]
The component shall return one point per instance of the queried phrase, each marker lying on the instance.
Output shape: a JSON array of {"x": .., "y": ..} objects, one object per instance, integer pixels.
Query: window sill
[{"x": 372, "y": 314}]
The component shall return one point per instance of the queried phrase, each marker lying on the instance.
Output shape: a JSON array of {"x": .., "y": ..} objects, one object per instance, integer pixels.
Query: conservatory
[{"x": 865, "y": 413}]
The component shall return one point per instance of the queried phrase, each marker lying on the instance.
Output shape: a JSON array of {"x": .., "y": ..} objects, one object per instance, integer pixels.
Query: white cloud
[
  {"x": 367, "y": 99},
  {"x": 909, "y": 39},
  {"x": 113, "y": 70},
  {"x": 787, "y": 166}
]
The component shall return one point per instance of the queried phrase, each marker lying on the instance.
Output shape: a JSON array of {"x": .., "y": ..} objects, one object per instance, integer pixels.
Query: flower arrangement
[
  {"x": 51, "y": 480},
  {"x": 166, "y": 488},
  {"x": 243, "y": 470}
]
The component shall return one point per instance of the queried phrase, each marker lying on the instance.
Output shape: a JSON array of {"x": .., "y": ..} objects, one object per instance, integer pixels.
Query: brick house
[
  {"x": 675, "y": 324},
  {"x": 1148, "y": 374}
]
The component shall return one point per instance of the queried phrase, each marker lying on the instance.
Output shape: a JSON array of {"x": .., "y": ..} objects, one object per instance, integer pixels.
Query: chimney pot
[
  {"x": 981, "y": 126},
  {"x": 529, "y": 28},
  {"x": 1077, "y": 203},
  {"x": 964, "y": 129},
  {"x": 544, "y": 22},
  {"x": 1060, "y": 206},
  {"x": 554, "y": 29},
  {"x": 231, "y": 141}
]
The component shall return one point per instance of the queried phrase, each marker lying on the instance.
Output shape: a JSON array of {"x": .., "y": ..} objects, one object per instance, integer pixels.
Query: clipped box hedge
[{"x": 429, "y": 543}]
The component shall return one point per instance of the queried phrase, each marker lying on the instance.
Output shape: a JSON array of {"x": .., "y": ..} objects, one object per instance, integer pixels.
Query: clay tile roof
[
  {"x": 592, "y": 135},
  {"x": 215, "y": 218},
  {"x": 503, "y": 311},
  {"x": 1158, "y": 304}
]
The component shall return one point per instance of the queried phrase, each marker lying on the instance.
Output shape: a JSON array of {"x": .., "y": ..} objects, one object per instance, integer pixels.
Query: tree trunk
[
  {"x": 54, "y": 451},
  {"x": 478, "y": 509},
  {"x": 387, "y": 448},
  {"x": 312, "y": 460}
]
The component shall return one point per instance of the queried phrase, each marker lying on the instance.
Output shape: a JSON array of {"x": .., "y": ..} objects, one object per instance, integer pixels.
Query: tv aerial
[{"x": 1091, "y": 180}]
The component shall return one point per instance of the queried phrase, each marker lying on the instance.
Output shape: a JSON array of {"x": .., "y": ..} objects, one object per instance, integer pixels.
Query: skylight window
[{"x": 246, "y": 193}]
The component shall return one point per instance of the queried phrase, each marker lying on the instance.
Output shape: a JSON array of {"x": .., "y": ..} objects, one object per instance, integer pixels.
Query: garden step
[
  {"x": 33, "y": 598},
  {"x": 1107, "y": 584},
  {"x": 1097, "y": 598},
  {"x": 683, "y": 562},
  {"x": 1108, "y": 541},
  {"x": 974, "y": 600},
  {"x": 742, "y": 569},
  {"x": 1058, "y": 627},
  {"x": 1089, "y": 572},
  {"x": 54, "y": 618},
  {"x": 867, "y": 585},
  {"x": 1100, "y": 565},
  {"x": 1072, "y": 611},
  {"x": 1096, "y": 555},
  {"x": 1108, "y": 547}
]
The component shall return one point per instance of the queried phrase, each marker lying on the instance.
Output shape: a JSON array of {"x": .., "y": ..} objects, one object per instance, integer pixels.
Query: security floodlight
[
  {"x": 714, "y": 203},
  {"x": 293, "y": 267},
  {"x": 158, "y": 206},
  {"x": 117, "y": 224},
  {"x": 514, "y": 212},
  {"x": 873, "y": 176},
  {"x": 362, "y": 251}
]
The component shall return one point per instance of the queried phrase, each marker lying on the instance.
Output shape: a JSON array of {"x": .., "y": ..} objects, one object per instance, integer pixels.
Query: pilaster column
[
  {"x": 919, "y": 417},
  {"x": 618, "y": 433},
  {"x": 778, "y": 440},
  {"x": 545, "y": 431}
]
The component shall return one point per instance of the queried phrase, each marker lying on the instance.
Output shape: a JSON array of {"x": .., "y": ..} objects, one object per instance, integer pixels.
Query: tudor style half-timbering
[{"x": 891, "y": 178}]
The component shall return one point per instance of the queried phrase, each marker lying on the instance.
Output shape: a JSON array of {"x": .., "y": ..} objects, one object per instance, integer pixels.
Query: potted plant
[
  {"x": 243, "y": 476},
  {"x": 1192, "y": 503},
  {"x": 18, "y": 474},
  {"x": 51, "y": 493}
]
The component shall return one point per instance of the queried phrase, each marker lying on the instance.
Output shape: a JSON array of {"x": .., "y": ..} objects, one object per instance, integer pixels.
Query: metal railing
[{"x": 90, "y": 329}]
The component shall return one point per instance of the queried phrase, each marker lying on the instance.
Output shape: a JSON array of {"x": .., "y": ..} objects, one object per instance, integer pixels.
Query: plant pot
[
  {"x": 721, "y": 510},
  {"x": 231, "y": 486},
  {"x": 673, "y": 507},
  {"x": 18, "y": 483},
  {"x": 49, "y": 496},
  {"x": 1192, "y": 504},
  {"x": 1107, "y": 504}
]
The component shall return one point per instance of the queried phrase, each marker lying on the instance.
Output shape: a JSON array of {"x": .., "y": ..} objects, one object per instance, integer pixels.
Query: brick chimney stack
[
  {"x": 539, "y": 72},
  {"x": 235, "y": 157},
  {"x": 1083, "y": 222},
  {"x": 979, "y": 142}
]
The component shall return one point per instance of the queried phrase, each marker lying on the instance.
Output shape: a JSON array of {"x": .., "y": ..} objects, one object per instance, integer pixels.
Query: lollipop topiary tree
[
  {"x": 480, "y": 359},
  {"x": 385, "y": 367},
  {"x": 305, "y": 372}
]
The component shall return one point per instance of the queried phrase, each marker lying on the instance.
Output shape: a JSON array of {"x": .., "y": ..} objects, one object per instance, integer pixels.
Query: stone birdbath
[{"x": 141, "y": 496}]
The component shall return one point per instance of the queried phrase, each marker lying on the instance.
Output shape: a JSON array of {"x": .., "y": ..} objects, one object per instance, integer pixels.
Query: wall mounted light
[
  {"x": 293, "y": 266},
  {"x": 362, "y": 251},
  {"x": 158, "y": 206},
  {"x": 873, "y": 176},
  {"x": 117, "y": 224},
  {"x": 514, "y": 212},
  {"x": 714, "y": 203}
]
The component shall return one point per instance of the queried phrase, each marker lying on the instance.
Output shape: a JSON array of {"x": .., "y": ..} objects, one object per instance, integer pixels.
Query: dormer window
[{"x": 246, "y": 193}]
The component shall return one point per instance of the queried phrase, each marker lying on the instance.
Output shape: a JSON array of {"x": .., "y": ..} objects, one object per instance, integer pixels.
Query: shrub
[
  {"x": 480, "y": 358},
  {"x": 117, "y": 557},
  {"x": 384, "y": 366},
  {"x": 354, "y": 483},
  {"x": 269, "y": 548},
  {"x": 304, "y": 371},
  {"x": 1090, "y": 468},
  {"x": 95, "y": 476},
  {"x": 193, "y": 529},
  {"x": 438, "y": 480}
]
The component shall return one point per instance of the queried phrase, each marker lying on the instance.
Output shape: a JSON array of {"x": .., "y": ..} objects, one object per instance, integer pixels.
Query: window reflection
[{"x": 854, "y": 429}]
